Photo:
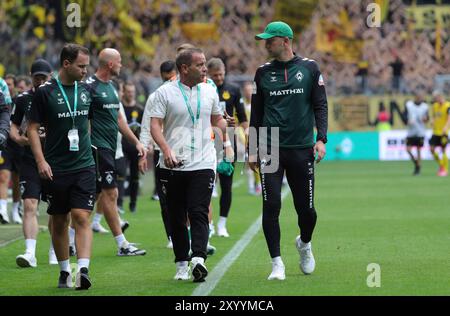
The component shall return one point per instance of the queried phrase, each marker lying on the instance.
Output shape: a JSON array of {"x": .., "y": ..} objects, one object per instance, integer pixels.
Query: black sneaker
[
  {"x": 124, "y": 226},
  {"x": 65, "y": 280},
  {"x": 199, "y": 272},
  {"x": 82, "y": 281},
  {"x": 72, "y": 251}
]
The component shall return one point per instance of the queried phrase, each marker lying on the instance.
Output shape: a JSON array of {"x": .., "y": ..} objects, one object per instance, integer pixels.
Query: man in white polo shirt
[{"x": 188, "y": 108}]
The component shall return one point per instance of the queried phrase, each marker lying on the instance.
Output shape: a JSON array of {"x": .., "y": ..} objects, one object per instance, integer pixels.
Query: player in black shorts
[
  {"x": 66, "y": 164},
  {"x": 30, "y": 182},
  {"x": 106, "y": 123}
]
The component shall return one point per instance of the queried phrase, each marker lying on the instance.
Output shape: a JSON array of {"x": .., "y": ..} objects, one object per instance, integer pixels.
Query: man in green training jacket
[
  {"x": 62, "y": 106},
  {"x": 289, "y": 94}
]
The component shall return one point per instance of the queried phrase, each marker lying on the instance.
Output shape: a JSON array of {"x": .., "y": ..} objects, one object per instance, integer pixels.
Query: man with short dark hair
[
  {"x": 187, "y": 108},
  {"x": 289, "y": 94},
  {"x": 66, "y": 164}
]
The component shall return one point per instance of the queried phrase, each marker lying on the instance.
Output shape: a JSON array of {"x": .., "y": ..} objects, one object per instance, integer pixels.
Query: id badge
[{"x": 72, "y": 135}]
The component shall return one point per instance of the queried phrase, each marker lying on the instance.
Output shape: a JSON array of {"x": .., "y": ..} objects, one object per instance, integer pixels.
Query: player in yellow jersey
[{"x": 441, "y": 125}]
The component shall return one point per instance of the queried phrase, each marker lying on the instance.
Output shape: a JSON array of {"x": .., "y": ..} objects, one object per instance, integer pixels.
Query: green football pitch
[{"x": 370, "y": 214}]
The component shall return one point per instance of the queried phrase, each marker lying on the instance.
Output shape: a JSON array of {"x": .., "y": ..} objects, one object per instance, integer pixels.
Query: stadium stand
[{"x": 148, "y": 31}]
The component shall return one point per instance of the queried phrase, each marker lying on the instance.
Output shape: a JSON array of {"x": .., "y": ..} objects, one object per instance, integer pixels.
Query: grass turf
[{"x": 368, "y": 212}]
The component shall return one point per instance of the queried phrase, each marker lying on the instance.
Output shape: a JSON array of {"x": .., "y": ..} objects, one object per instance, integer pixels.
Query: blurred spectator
[
  {"x": 23, "y": 84},
  {"x": 363, "y": 71},
  {"x": 148, "y": 31},
  {"x": 11, "y": 82},
  {"x": 383, "y": 120},
  {"x": 397, "y": 69}
]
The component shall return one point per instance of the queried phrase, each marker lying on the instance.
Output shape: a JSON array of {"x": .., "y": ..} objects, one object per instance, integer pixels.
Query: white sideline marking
[
  {"x": 6, "y": 243},
  {"x": 222, "y": 267}
]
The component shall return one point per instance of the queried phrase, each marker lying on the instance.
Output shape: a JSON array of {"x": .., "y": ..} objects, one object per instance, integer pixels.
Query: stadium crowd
[{"x": 147, "y": 32}]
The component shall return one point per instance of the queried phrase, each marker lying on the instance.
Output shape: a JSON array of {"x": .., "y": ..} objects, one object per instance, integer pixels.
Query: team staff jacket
[
  {"x": 231, "y": 101},
  {"x": 105, "y": 111},
  {"x": 291, "y": 95},
  {"x": 20, "y": 117},
  {"x": 50, "y": 110}
]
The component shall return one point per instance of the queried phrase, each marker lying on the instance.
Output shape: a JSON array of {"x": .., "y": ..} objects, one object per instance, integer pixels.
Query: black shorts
[
  {"x": 105, "y": 168},
  {"x": 438, "y": 140},
  {"x": 414, "y": 141},
  {"x": 70, "y": 190},
  {"x": 10, "y": 159},
  {"x": 30, "y": 182}
]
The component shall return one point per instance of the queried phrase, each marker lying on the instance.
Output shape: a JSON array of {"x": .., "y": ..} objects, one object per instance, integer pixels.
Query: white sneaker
[
  {"x": 98, "y": 228},
  {"x": 307, "y": 262},
  {"x": 222, "y": 231},
  {"x": 52, "y": 257},
  {"x": 16, "y": 218},
  {"x": 170, "y": 244},
  {"x": 127, "y": 249},
  {"x": 26, "y": 260},
  {"x": 277, "y": 271},
  {"x": 4, "y": 217},
  {"x": 182, "y": 271}
]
